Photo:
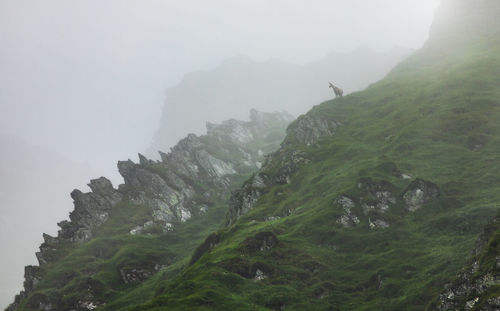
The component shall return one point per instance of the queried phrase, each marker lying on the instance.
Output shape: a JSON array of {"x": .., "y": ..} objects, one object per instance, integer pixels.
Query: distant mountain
[
  {"x": 239, "y": 84},
  {"x": 34, "y": 187}
]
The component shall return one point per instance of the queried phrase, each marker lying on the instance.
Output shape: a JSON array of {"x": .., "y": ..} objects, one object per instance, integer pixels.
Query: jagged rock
[
  {"x": 214, "y": 167},
  {"x": 383, "y": 191},
  {"x": 31, "y": 278},
  {"x": 378, "y": 223},
  {"x": 50, "y": 240},
  {"x": 87, "y": 304},
  {"x": 91, "y": 211},
  {"x": 244, "y": 199},
  {"x": 143, "y": 160},
  {"x": 418, "y": 193},
  {"x": 191, "y": 159},
  {"x": 137, "y": 177},
  {"x": 348, "y": 219},
  {"x": 309, "y": 129},
  {"x": 180, "y": 157},
  {"x": 103, "y": 187},
  {"x": 141, "y": 229},
  {"x": 379, "y": 196},
  {"x": 260, "y": 275},
  {"x": 470, "y": 287},
  {"x": 290, "y": 163},
  {"x": 135, "y": 275},
  {"x": 167, "y": 203}
]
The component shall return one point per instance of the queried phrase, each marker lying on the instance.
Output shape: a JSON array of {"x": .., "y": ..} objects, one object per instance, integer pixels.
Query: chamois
[{"x": 338, "y": 91}]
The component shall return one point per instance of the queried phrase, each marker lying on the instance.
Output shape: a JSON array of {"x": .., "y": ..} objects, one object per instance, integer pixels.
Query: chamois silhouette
[{"x": 338, "y": 91}]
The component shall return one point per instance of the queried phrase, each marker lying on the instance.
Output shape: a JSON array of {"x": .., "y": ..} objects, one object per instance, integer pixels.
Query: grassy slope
[
  {"x": 427, "y": 118},
  {"x": 113, "y": 249}
]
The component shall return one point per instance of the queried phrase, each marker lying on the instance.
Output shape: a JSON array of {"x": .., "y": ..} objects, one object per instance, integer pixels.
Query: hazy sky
[{"x": 86, "y": 78}]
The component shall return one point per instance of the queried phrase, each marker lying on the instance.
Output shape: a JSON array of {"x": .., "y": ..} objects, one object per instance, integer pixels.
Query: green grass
[{"x": 439, "y": 122}]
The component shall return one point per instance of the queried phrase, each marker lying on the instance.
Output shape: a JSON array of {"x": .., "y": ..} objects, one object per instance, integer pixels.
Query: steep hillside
[
  {"x": 239, "y": 84},
  {"x": 374, "y": 201},
  {"x": 120, "y": 244}
]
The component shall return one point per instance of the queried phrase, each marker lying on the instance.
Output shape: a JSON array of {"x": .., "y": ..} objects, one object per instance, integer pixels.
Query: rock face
[
  {"x": 348, "y": 219},
  {"x": 309, "y": 129},
  {"x": 173, "y": 186},
  {"x": 91, "y": 211},
  {"x": 196, "y": 172},
  {"x": 244, "y": 199},
  {"x": 473, "y": 287},
  {"x": 283, "y": 163},
  {"x": 418, "y": 193}
]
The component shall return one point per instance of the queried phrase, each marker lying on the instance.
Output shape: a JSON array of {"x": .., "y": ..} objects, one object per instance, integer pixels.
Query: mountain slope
[
  {"x": 373, "y": 201},
  {"x": 120, "y": 244}
]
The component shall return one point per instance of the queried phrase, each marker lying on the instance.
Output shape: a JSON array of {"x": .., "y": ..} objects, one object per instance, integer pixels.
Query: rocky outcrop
[
  {"x": 309, "y": 129},
  {"x": 348, "y": 219},
  {"x": 472, "y": 290},
  {"x": 378, "y": 198},
  {"x": 420, "y": 192},
  {"x": 173, "y": 186},
  {"x": 90, "y": 211},
  {"x": 283, "y": 163},
  {"x": 245, "y": 198}
]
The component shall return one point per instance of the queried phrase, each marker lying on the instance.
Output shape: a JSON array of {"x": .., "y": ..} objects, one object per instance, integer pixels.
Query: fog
[{"x": 82, "y": 82}]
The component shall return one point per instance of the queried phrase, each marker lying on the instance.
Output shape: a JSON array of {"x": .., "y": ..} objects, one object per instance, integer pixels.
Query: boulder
[{"x": 420, "y": 192}]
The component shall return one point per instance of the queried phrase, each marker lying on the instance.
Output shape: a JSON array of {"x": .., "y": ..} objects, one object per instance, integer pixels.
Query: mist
[{"x": 83, "y": 82}]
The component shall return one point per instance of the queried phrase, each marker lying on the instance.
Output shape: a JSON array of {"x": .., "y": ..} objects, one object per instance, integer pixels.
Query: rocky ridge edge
[{"x": 168, "y": 187}]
